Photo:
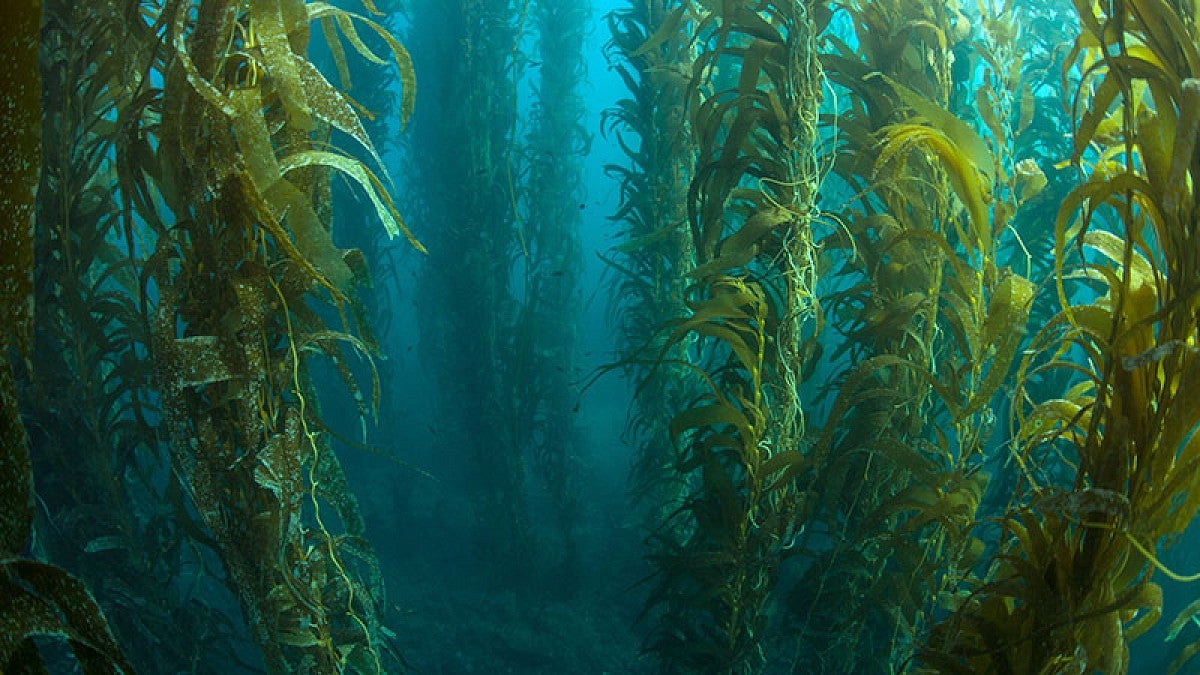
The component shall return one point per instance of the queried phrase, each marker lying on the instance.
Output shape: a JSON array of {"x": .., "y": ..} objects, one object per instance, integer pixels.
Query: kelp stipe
[
  {"x": 730, "y": 527},
  {"x": 466, "y": 301},
  {"x": 855, "y": 606},
  {"x": 37, "y": 599},
  {"x": 652, "y": 50},
  {"x": 930, "y": 324},
  {"x": 746, "y": 334},
  {"x": 1108, "y": 465}
]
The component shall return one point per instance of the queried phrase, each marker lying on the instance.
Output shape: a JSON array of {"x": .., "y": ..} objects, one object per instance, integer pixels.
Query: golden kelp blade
[
  {"x": 345, "y": 21},
  {"x": 367, "y": 180}
]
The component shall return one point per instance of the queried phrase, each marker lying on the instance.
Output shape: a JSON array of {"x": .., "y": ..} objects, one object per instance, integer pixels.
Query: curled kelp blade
[{"x": 42, "y": 600}]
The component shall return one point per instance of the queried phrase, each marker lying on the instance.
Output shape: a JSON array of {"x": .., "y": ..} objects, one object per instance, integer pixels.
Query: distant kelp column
[
  {"x": 748, "y": 331},
  {"x": 233, "y": 182},
  {"x": 37, "y": 600},
  {"x": 652, "y": 51},
  {"x": 467, "y": 183},
  {"x": 547, "y": 333},
  {"x": 1109, "y": 462}
]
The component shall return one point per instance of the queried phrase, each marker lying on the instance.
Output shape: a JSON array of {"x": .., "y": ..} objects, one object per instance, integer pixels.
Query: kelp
[
  {"x": 21, "y": 135},
  {"x": 873, "y": 467},
  {"x": 37, "y": 599},
  {"x": 41, "y": 600},
  {"x": 931, "y": 323},
  {"x": 241, "y": 166},
  {"x": 717, "y": 566},
  {"x": 1106, "y": 465},
  {"x": 751, "y": 307},
  {"x": 505, "y": 259},
  {"x": 87, "y": 395},
  {"x": 547, "y": 342},
  {"x": 651, "y": 49},
  {"x": 474, "y": 333}
]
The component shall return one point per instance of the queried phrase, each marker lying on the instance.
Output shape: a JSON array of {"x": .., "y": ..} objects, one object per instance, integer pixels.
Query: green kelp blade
[
  {"x": 1004, "y": 328},
  {"x": 973, "y": 147}
]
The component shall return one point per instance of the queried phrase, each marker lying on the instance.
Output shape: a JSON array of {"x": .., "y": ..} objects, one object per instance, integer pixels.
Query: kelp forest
[{"x": 600, "y": 336}]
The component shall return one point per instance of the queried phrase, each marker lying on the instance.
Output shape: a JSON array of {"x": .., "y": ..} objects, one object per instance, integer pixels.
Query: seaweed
[
  {"x": 651, "y": 50},
  {"x": 748, "y": 326},
  {"x": 37, "y": 599},
  {"x": 1105, "y": 478},
  {"x": 473, "y": 327},
  {"x": 930, "y": 320},
  {"x": 547, "y": 321},
  {"x": 838, "y": 223},
  {"x": 235, "y": 275},
  {"x": 87, "y": 396}
]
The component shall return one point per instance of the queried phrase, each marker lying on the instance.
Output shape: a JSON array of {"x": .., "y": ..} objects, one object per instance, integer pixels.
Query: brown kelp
[
  {"x": 185, "y": 245},
  {"x": 467, "y": 303},
  {"x": 238, "y": 269},
  {"x": 747, "y": 331},
  {"x": 930, "y": 323},
  {"x": 37, "y": 599},
  {"x": 547, "y": 333},
  {"x": 652, "y": 51},
  {"x": 1106, "y": 464},
  {"x": 87, "y": 395}
]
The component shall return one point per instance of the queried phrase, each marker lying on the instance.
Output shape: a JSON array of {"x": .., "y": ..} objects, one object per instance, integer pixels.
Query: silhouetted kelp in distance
[
  {"x": 466, "y": 301},
  {"x": 547, "y": 341},
  {"x": 498, "y": 302}
]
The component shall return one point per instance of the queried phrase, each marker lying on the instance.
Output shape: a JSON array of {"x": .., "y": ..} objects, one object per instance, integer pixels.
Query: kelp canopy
[{"x": 908, "y": 292}]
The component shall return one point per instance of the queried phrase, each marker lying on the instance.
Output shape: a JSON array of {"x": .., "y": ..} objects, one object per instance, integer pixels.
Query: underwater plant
[
  {"x": 248, "y": 253},
  {"x": 650, "y": 265},
  {"x": 551, "y": 261},
  {"x": 746, "y": 333},
  {"x": 854, "y": 603},
  {"x": 468, "y": 305},
  {"x": 113, "y": 512},
  {"x": 183, "y": 251},
  {"x": 856, "y": 238},
  {"x": 37, "y": 599},
  {"x": 498, "y": 301},
  {"x": 1106, "y": 465},
  {"x": 929, "y": 322}
]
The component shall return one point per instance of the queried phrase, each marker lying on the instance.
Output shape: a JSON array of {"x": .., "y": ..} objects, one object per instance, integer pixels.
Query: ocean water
[{"x": 600, "y": 336}]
